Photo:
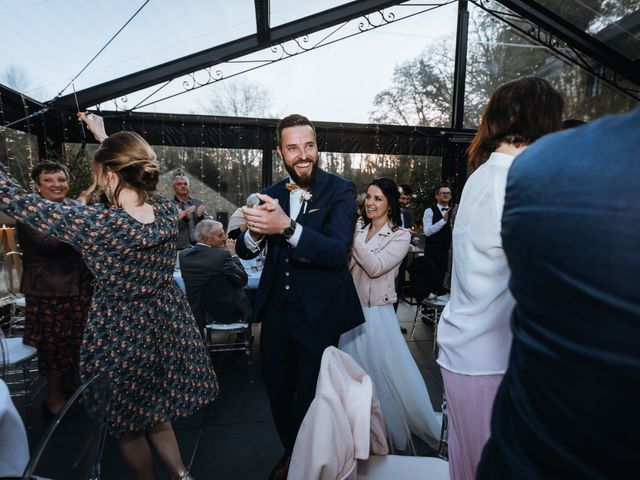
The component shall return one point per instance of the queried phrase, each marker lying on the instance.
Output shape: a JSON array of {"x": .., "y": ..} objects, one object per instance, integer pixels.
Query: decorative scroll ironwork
[
  {"x": 570, "y": 54},
  {"x": 120, "y": 103},
  {"x": 368, "y": 24},
  {"x": 289, "y": 49}
]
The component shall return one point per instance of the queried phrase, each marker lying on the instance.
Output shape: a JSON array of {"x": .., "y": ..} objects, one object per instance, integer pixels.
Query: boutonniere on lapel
[{"x": 305, "y": 195}]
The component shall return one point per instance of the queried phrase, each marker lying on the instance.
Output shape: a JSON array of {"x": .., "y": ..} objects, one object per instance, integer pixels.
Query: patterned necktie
[{"x": 291, "y": 186}]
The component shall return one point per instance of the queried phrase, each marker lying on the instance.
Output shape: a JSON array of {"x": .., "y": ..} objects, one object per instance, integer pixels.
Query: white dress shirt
[
  {"x": 427, "y": 218},
  {"x": 474, "y": 334}
]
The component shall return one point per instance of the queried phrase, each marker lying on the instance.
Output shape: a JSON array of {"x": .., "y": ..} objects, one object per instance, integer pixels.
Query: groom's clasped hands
[{"x": 268, "y": 218}]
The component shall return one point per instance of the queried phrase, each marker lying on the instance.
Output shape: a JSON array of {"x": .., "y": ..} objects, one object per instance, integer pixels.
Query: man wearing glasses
[{"x": 438, "y": 232}]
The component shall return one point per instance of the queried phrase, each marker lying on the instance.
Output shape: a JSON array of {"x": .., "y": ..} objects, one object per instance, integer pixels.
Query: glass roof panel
[
  {"x": 44, "y": 44},
  {"x": 498, "y": 53},
  {"x": 284, "y": 11},
  {"x": 616, "y": 23},
  {"x": 339, "y": 81}
]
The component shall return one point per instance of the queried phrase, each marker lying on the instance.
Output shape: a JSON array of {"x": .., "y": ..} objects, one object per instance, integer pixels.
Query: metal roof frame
[{"x": 264, "y": 38}]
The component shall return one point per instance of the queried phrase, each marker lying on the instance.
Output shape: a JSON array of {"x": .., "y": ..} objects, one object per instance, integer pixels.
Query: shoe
[
  {"x": 184, "y": 475},
  {"x": 403, "y": 330},
  {"x": 281, "y": 469}
]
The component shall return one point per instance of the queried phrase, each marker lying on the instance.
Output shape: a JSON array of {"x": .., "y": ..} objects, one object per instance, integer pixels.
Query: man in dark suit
[
  {"x": 306, "y": 298},
  {"x": 405, "y": 216},
  {"x": 213, "y": 255},
  {"x": 405, "y": 200},
  {"x": 567, "y": 406}
]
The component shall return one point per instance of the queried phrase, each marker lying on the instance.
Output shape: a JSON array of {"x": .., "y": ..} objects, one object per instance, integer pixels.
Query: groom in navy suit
[{"x": 306, "y": 298}]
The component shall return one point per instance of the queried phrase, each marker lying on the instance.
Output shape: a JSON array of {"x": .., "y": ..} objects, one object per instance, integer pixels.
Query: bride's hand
[{"x": 95, "y": 123}]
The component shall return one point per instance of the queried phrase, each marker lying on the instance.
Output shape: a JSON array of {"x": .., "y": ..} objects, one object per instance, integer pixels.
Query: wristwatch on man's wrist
[{"x": 290, "y": 230}]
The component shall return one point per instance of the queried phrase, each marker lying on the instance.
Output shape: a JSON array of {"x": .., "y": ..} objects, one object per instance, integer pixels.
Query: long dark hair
[
  {"x": 390, "y": 192},
  {"x": 518, "y": 113}
]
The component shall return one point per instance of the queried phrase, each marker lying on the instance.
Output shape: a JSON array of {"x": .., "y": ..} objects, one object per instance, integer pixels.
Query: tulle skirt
[{"x": 379, "y": 347}]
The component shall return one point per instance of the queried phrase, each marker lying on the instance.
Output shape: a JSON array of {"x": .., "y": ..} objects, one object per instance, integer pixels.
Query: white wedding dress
[{"x": 379, "y": 347}]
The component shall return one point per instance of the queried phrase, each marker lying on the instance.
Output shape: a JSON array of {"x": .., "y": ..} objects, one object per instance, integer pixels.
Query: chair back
[
  {"x": 342, "y": 435},
  {"x": 13, "y": 269},
  {"x": 343, "y": 424},
  {"x": 73, "y": 449}
]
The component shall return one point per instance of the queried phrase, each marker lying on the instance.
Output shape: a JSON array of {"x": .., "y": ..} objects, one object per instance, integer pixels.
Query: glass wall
[
  {"x": 421, "y": 172},
  {"x": 498, "y": 53},
  {"x": 221, "y": 177},
  {"x": 19, "y": 150}
]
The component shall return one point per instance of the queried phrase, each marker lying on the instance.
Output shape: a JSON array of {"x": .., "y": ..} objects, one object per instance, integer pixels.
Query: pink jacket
[{"x": 374, "y": 265}]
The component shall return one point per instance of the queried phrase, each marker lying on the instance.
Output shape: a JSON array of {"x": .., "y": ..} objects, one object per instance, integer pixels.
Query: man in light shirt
[{"x": 437, "y": 229}]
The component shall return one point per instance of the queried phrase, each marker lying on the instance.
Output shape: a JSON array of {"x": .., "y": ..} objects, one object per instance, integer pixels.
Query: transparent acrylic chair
[{"x": 71, "y": 447}]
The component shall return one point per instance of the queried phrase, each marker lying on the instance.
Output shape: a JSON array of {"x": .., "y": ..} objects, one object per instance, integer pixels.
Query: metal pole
[{"x": 460, "y": 72}]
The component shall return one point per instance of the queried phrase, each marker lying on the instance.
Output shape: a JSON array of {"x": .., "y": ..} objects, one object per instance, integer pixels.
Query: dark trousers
[
  {"x": 291, "y": 352},
  {"x": 441, "y": 260},
  {"x": 400, "y": 281}
]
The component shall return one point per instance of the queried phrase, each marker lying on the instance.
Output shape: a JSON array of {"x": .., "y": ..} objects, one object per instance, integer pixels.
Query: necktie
[{"x": 291, "y": 186}]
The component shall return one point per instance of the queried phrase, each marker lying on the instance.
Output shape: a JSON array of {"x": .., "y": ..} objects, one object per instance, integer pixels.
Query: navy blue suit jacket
[
  {"x": 319, "y": 269},
  {"x": 568, "y": 404}
]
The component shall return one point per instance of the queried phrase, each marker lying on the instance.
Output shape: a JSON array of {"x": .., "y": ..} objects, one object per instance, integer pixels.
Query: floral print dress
[{"x": 140, "y": 331}]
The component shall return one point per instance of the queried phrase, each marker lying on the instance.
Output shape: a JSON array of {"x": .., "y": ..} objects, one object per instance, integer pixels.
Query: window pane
[
  {"x": 285, "y": 11},
  {"x": 48, "y": 43},
  {"x": 19, "y": 150},
  {"x": 421, "y": 172},
  {"x": 221, "y": 177},
  {"x": 616, "y": 23},
  {"x": 498, "y": 53},
  {"x": 400, "y": 73}
]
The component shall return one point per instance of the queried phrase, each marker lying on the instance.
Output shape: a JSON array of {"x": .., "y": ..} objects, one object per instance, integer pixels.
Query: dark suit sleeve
[
  {"x": 330, "y": 247},
  {"x": 233, "y": 269}
]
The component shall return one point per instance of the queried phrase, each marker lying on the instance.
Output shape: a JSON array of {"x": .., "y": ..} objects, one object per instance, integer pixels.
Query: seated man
[{"x": 212, "y": 264}]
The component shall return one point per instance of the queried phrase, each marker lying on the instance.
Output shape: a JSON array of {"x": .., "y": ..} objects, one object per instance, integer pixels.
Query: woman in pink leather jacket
[{"x": 379, "y": 245}]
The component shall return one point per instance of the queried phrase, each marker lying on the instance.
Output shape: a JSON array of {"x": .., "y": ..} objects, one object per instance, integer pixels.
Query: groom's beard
[{"x": 302, "y": 182}]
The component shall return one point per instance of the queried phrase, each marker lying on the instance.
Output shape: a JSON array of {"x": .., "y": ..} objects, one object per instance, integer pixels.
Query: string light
[
  {"x": 2, "y": 111},
  {"x": 32, "y": 184},
  {"x": 163, "y": 165},
  {"x": 44, "y": 134},
  {"x": 183, "y": 153},
  {"x": 7, "y": 140},
  {"x": 219, "y": 151},
  {"x": 396, "y": 159},
  {"x": 238, "y": 192},
  {"x": 65, "y": 139},
  {"x": 202, "y": 147},
  {"x": 259, "y": 147}
]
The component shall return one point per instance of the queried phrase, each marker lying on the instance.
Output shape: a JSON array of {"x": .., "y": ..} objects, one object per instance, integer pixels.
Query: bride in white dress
[{"x": 379, "y": 246}]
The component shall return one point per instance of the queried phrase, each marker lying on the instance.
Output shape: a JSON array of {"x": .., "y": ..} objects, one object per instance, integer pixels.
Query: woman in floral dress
[{"x": 140, "y": 332}]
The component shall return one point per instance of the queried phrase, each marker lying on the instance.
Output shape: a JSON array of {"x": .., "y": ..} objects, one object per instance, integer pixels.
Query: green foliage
[{"x": 421, "y": 90}]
